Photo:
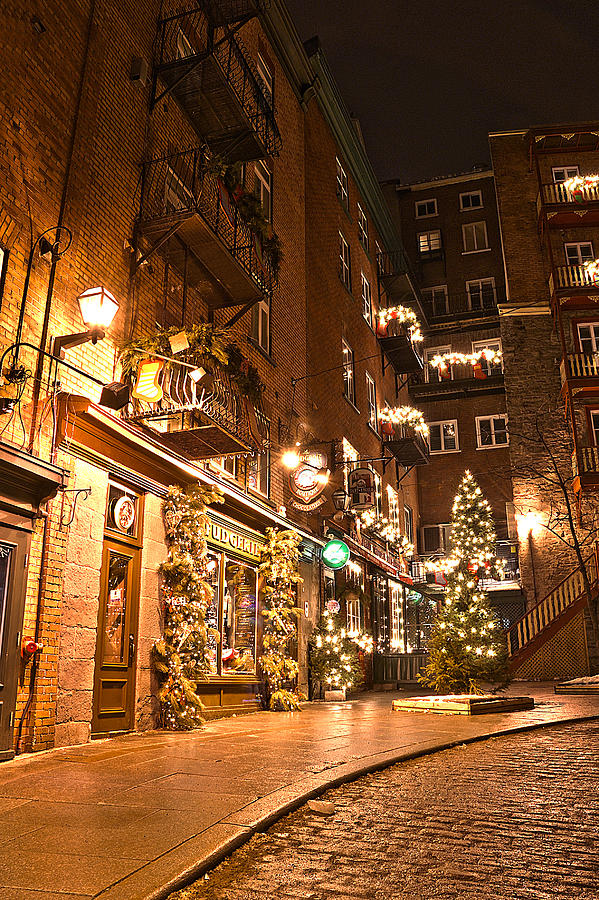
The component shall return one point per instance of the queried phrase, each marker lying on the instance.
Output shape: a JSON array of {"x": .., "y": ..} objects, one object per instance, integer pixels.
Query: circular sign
[
  {"x": 124, "y": 513},
  {"x": 333, "y": 606},
  {"x": 306, "y": 482},
  {"x": 335, "y": 554}
]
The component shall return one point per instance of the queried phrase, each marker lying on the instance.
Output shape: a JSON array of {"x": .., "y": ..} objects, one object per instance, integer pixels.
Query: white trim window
[
  {"x": 426, "y": 208},
  {"x": 224, "y": 465},
  {"x": 177, "y": 196},
  {"x": 437, "y": 297},
  {"x": 260, "y": 329},
  {"x": 594, "y": 417},
  {"x": 366, "y": 299},
  {"x": 184, "y": 45},
  {"x": 435, "y": 538},
  {"x": 344, "y": 262},
  {"x": 432, "y": 374},
  {"x": 474, "y": 237},
  {"x": 353, "y": 612},
  {"x": 443, "y": 436},
  {"x": 488, "y": 368},
  {"x": 491, "y": 431},
  {"x": 258, "y": 470},
  {"x": 363, "y": 228},
  {"x": 380, "y": 262},
  {"x": 393, "y": 506},
  {"x": 429, "y": 242},
  {"x": 578, "y": 252},
  {"x": 350, "y": 459},
  {"x": 471, "y": 200},
  {"x": 372, "y": 410},
  {"x": 588, "y": 337},
  {"x": 349, "y": 373},
  {"x": 263, "y": 188},
  {"x": 408, "y": 516},
  {"x": 481, "y": 293},
  {"x": 342, "y": 185},
  {"x": 265, "y": 73},
  {"x": 562, "y": 173},
  {"x": 378, "y": 491}
]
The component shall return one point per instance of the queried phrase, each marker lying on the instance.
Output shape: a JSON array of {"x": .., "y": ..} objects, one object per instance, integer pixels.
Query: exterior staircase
[{"x": 549, "y": 641}]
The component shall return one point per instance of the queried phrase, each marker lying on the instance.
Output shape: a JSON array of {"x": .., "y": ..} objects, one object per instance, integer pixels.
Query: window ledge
[
  {"x": 254, "y": 343},
  {"x": 494, "y": 447},
  {"x": 351, "y": 403},
  {"x": 443, "y": 452},
  {"x": 482, "y": 250}
]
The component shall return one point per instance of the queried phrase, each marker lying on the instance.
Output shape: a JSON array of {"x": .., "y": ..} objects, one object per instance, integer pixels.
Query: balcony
[
  {"x": 445, "y": 309},
  {"x": 585, "y": 469},
  {"x": 199, "y": 419},
  {"x": 572, "y": 282},
  {"x": 189, "y": 215},
  {"x": 215, "y": 82},
  {"x": 581, "y": 372},
  {"x": 401, "y": 351},
  {"x": 564, "y": 208},
  {"x": 398, "y": 279},
  {"x": 407, "y": 446},
  {"x": 429, "y": 385}
]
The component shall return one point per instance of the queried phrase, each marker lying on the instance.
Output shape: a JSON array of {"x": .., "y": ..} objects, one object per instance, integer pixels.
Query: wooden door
[
  {"x": 13, "y": 560},
  {"x": 116, "y": 645}
]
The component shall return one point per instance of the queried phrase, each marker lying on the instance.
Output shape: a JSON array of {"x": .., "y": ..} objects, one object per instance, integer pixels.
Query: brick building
[{"x": 128, "y": 154}]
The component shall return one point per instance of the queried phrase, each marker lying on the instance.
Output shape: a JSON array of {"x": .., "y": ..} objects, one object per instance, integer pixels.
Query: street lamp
[
  {"x": 98, "y": 309},
  {"x": 340, "y": 499}
]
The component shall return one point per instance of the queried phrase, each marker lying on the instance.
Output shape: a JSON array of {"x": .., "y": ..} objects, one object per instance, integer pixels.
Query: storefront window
[
  {"x": 212, "y": 612},
  {"x": 397, "y": 626},
  {"x": 239, "y": 619},
  {"x": 379, "y": 608}
]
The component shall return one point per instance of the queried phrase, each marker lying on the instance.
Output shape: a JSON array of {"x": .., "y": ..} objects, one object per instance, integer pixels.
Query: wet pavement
[{"x": 136, "y": 816}]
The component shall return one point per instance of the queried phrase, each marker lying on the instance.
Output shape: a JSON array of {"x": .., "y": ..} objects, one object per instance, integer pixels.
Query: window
[
  {"x": 437, "y": 297},
  {"x": 429, "y": 243},
  {"x": 177, "y": 195},
  {"x": 443, "y": 436},
  {"x": 238, "y": 651},
  {"x": 363, "y": 228},
  {"x": 491, "y": 431},
  {"x": 260, "y": 330},
  {"x": 259, "y": 465},
  {"x": 471, "y": 200},
  {"x": 578, "y": 253},
  {"x": 432, "y": 375},
  {"x": 344, "y": 262},
  {"x": 594, "y": 414},
  {"x": 378, "y": 492},
  {"x": 489, "y": 368},
  {"x": 342, "y": 190},
  {"x": 409, "y": 523},
  {"x": 393, "y": 504},
  {"x": 436, "y": 538},
  {"x": 474, "y": 237},
  {"x": 425, "y": 208},
  {"x": 372, "y": 410},
  {"x": 350, "y": 458},
  {"x": 366, "y": 299},
  {"x": 263, "y": 188},
  {"x": 588, "y": 337},
  {"x": 481, "y": 293},
  {"x": 562, "y": 173},
  {"x": 353, "y": 612},
  {"x": 349, "y": 373},
  {"x": 380, "y": 260},
  {"x": 396, "y": 599},
  {"x": 184, "y": 48},
  {"x": 224, "y": 465},
  {"x": 265, "y": 73},
  {"x": 3, "y": 267}
]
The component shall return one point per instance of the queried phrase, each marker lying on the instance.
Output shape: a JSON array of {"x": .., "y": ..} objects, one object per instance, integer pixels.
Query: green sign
[{"x": 335, "y": 554}]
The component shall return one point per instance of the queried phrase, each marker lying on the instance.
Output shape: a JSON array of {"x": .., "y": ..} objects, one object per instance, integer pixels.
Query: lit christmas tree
[
  {"x": 182, "y": 657},
  {"x": 467, "y": 644},
  {"x": 334, "y": 657},
  {"x": 279, "y": 568}
]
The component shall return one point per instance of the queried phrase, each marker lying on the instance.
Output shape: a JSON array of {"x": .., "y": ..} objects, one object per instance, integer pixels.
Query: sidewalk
[{"x": 127, "y": 818}]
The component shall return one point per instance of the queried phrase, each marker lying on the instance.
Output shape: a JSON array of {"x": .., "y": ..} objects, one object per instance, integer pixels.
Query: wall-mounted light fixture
[
  {"x": 340, "y": 499},
  {"x": 98, "y": 309}
]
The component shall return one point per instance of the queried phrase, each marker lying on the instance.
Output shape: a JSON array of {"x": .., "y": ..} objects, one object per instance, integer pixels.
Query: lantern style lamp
[
  {"x": 98, "y": 309},
  {"x": 340, "y": 499}
]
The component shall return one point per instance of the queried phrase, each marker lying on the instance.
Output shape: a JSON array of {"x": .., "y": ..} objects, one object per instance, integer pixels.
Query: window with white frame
[
  {"x": 491, "y": 431},
  {"x": 342, "y": 188},
  {"x": 378, "y": 491},
  {"x": 349, "y": 373},
  {"x": 471, "y": 200},
  {"x": 263, "y": 188},
  {"x": 260, "y": 326},
  {"x": 437, "y": 297},
  {"x": 562, "y": 173},
  {"x": 265, "y": 73},
  {"x": 588, "y": 337},
  {"x": 436, "y": 538},
  {"x": 350, "y": 458},
  {"x": 177, "y": 193},
  {"x": 184, "y": 47},
  {"x": 380, "y": 262},
  {"x": 474, "y": 237},
  {"x": 481, "y": 293},
  {"x": 224, "y": 465},
  {"x": 258, "y": 470},
  {"x": 426, "y": 208},
  {"x": 443, "y": 436},
  {"x": 344, "y": 262},
  {"x": 396, "y": 603},
  {"x": 578, "y": 252},
  {"x": 408, "y": 523},
  {"x": 487, "y": 367},
  {"x": 372, "y": 410},
  {"x": 393, "y": 504},
  {"x": 353, "y": 584},
  {"x": 366, "y": 299},
  {"x": 429, "y": 242},
  {"x": 594, "y": 417},
  {"x": 363, "y": 228},
  {"x": 432, "y": 375}
]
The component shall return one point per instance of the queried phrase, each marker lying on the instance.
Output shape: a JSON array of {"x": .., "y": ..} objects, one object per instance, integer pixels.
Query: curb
[{"x": 298, "y": 796}]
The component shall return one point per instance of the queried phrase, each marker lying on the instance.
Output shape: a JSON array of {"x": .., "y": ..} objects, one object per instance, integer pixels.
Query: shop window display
[
  {"x": 239, "y": 619},
  {"x": 211, "y": 615}
]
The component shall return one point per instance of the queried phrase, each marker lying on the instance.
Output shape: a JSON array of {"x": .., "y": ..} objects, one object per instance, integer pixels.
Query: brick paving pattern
[{"x": 513, "y": 817}]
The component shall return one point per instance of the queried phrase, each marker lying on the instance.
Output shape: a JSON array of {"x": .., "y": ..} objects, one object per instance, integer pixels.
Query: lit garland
[
  {"x": 580, "y": 182},
  {"x": 442, "y": 361},
  {"x": 387, "y": 530},
  {"x": 333, "y": 654},
  {"x": 404, "y": 415},
  {"x": 404, "y": 316},
  {"x": 591, "y": 268}
]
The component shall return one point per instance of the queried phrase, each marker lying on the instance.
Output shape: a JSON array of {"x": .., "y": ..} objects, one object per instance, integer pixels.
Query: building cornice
[{"x": 442, "y": 180}]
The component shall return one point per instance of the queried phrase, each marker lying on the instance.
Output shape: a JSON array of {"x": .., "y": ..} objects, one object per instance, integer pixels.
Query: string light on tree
[{"x": 334, "y": 659}]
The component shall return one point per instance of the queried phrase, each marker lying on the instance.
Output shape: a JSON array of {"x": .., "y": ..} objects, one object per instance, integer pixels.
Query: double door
[{"x": 14, "y": 547}]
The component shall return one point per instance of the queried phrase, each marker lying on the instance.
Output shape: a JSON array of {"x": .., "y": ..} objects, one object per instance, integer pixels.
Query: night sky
[{"x": 429, "y": 79}]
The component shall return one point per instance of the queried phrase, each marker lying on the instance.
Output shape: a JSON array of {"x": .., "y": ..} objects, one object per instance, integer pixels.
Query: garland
[
  {"x": 385, "y": 529},
  {"x": 181, "y": 657},
  {"x": 591, "y": 268},
  {"x": 443, "y": 360},
  {"x": 279, "y": 568},
  {"x": 403, "y": 315},
  {"x": 578, "y": 182},
  {"x": 404, "y": 415}
]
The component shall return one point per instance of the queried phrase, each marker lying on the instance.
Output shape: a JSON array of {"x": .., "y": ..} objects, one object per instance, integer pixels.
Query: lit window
[
  {"x": 471, "y": 200},
  {"x": 409, "y": 523},
  {"x": 263, "y": 188},
  {"x": 432, "y": 374},
  {"x": 437, "y": 298},
  {"x": 429, "y": 242},
  {"x": 425, "y": 208},
  {"x": 474, "y": 236},
  {"x": 259, "y": 465},
  {"x": 342, "y": 189},
  {"x": 366, "y": 300},
  {"x": 224, "y": 465},
  {"x": 562, "y": 173},
  {"x": 588, "y": 337},
  {"x": 344, "y": 262},
  {"x": 353, "y": 611},
  {"x": 397, "y": 629},
  {"x": 481, "y": 293},
  {"x": 362, "y": 228},
  {"x": 489, "y": 368},
  {"x": 443, "y": 436},
  {"x": 260, "y": 328},
  {"x": 349, "y": 380},
  {"x": 578, "y": 253},
  {"x": 378, "y": 491},
  {"x": 393, "y": 503},
  {"x": 372, "y": 410},
  {"x": 491, "y": 431},
  {"x": 265, "y": 73},
  {"x": 350, "y": 458}
]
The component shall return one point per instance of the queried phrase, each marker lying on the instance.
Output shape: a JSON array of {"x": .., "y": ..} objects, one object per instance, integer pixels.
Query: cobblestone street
[{"x": 512, "y": 817}]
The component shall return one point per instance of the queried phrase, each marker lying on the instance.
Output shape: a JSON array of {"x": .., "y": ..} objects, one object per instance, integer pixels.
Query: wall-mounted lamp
[
  {"x": 98, "y": 309},
  {"x": 340, "y": 500}
]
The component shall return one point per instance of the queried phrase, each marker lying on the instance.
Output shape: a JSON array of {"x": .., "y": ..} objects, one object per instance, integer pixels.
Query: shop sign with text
[{"x": 307, "y": 483}]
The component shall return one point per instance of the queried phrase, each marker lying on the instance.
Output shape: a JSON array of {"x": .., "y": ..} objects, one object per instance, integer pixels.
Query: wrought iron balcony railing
[
  {"x": 215, "y": 81},
  {"x": 408, "y": 446},
  {"x": 397, "y": 277},
  {"x": 471, "y": 305}
]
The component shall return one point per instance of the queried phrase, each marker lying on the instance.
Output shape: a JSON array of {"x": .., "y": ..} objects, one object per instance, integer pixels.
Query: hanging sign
[
  {"x": 146, "y": 384},
  {"x": 361, "y": 489},
  {"x": 306, "y": 482},
  {"x": 335, "y": 554},
  {"x": 333, "y": 606}
]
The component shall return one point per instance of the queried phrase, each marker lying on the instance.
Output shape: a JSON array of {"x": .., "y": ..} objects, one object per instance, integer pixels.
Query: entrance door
[
  {"x": 114, "y": 679},
  {"x": 13, "y": 558}
]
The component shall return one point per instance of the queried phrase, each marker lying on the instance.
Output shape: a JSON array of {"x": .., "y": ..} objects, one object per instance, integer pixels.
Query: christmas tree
[
  {"x": 279, "y": 568},
  {"x": 467, "y": 645},
  {"x": 182, "y": 657},
  {"x": 334, "y": 655}
]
